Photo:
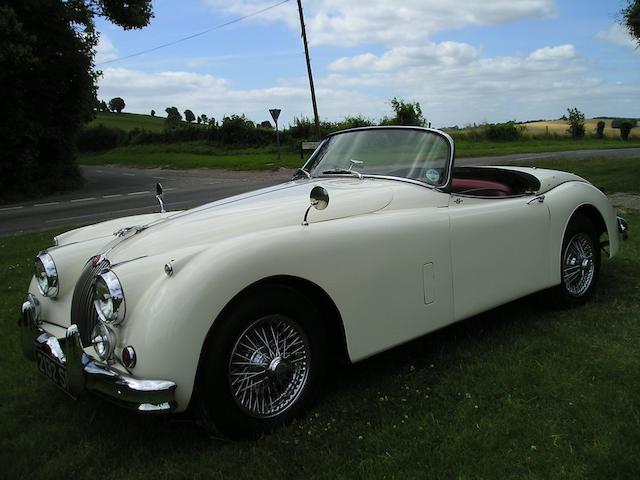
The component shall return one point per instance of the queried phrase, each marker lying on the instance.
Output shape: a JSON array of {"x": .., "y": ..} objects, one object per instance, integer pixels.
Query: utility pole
[{"x": 306, "y": 52}]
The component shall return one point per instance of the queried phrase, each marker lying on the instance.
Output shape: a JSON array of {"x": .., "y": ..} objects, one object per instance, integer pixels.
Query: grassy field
[
  {"x": 200, "y": 155},
  {"x": 612, "y": 174},
  {"x": 193, "y": 155},
  {"x": 523, "y": 391},
  {"x": 559, "y": 127},
  {"x": 129, "y": 121}
]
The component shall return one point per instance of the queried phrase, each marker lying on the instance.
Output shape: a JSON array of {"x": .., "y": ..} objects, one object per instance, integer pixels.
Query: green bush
[
  {"x": 100, "y": 137},
  {"x": 504, "y": 131},
  {"x": 600, "y": 129}
]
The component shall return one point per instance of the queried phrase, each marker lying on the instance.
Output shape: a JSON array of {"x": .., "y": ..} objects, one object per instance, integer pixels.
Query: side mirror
[
  {"x": 319, "y": 199},
  {"x": 160, "y": 197}
]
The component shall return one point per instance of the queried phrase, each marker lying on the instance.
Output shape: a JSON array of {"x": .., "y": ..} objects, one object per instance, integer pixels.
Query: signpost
[{"x": 275, "y": 113}]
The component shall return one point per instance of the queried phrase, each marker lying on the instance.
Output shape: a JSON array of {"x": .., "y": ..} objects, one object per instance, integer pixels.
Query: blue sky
[{"x": 465, "y": 61}]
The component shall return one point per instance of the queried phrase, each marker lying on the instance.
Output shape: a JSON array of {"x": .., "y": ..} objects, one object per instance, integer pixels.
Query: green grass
[
  {"x": 200, "y": 155},
  {"x": 466, "y": 148},
  {"x": 193, "y": 155},
  {"x": 522, "y": 391},
  {"x": 612, "y": 174},
  {"x": 129, "y": 121}
]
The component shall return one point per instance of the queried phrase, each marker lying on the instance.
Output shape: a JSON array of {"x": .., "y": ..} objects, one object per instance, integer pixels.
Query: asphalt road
[{"x": 111, "y": 192}]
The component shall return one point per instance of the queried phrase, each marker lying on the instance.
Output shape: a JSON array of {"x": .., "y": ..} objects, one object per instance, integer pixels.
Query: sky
[{"x": 464, "y": 61}]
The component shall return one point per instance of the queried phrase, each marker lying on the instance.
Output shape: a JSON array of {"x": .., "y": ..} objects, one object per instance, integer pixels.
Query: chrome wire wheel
[
  {"x": 269, "y": 366},
  {"x": 578, "y": 264}
]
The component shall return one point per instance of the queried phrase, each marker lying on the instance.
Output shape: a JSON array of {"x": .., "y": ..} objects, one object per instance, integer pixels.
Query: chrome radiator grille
[{"x": 83, "y": 313}]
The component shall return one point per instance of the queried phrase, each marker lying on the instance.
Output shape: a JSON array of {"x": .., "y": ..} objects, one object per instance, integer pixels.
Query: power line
[{"x": 189, "y": 37}]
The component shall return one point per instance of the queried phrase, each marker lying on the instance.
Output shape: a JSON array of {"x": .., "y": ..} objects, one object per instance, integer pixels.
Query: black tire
[
  {"x": 219, "y": 405},
  {"x": 579, "y": 265}
]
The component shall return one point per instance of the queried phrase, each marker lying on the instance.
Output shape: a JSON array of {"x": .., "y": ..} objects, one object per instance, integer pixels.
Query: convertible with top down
[{"x": 234, "y": 309}]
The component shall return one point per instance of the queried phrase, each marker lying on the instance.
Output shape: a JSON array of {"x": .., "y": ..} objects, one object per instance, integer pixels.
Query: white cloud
[
  {"x": 561, "y": 52},
  {"x": 217, "y": 97},
  {"x": 454, "y": 83},
  {"x": 445, "y": 53},
  {"x": 617, "y": 35},
  {"x": 105, "y": 50},
  {"x": 353, "y": 22},
  {"x": 471, "y": 88}
]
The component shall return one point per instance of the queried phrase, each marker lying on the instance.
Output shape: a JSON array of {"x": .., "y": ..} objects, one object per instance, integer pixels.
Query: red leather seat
[{"x": 484, "y": 188}]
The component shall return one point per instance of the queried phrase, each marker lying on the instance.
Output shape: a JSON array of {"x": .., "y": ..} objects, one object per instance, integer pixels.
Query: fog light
[
  {"x": 103, "y": 340},
  {"x": 129, "y": 357}
]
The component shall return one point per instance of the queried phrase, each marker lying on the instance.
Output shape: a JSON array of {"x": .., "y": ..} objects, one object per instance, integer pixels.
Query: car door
[{"x": 499, "y": 250}]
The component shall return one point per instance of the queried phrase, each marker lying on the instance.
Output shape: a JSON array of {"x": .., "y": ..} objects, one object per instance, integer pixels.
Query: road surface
[{"x": 112, "y": 192}]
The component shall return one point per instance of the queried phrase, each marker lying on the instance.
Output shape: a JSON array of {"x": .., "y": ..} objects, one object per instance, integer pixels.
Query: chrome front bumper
[
  {"x": 83, "y": 373},
  {"x": 623, "y": 228}
]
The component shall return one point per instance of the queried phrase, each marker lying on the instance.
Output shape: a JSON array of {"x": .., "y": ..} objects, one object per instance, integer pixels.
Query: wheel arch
[
  {"x": 593, "y": 214},
  {"x": 336, "y": 338}
]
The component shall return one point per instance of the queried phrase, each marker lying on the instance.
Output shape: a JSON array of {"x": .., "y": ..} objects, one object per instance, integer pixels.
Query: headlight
[
  {"x": 108, "y": 298},
  {"x": 46, "y": 275},
  {"x": 103, "y": 340}
]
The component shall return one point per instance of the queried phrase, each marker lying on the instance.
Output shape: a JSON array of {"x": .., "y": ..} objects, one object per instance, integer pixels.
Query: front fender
[{"x": 363, "y": 264}]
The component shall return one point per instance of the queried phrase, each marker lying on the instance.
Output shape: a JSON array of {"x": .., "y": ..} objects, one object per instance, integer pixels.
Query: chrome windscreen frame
[{"x": 445, "y": 187}]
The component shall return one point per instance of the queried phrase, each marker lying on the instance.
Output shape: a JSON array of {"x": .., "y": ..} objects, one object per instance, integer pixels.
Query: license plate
[{"x": 52, "y": 369}]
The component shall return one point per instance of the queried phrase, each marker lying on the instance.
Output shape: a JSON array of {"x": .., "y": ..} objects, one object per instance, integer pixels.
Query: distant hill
[{"x": 129, "y": 121}]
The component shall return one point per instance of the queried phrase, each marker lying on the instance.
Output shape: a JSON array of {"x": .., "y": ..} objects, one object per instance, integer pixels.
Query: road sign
[{"x": 275, "y": 113}]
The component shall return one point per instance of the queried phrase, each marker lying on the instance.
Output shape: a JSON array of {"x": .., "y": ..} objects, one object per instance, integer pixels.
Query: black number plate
[{"x": 52, "y": 369}]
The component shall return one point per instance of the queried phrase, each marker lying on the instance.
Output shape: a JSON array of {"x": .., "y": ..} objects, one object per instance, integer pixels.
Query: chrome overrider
[
  {"x": 83, "y": 373},
  {"x": 623, "y": 228}
]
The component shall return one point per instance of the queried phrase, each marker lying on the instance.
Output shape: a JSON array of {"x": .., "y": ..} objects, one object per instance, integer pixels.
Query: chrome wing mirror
[
  {"x": 160, "y": 197},
  {"x": 319, "y": 199}
]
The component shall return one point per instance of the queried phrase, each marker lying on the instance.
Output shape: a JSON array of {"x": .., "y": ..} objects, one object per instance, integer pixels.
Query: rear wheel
[
  {"x": 580, "y": 262},
  {"x": 264, "y": 363}
]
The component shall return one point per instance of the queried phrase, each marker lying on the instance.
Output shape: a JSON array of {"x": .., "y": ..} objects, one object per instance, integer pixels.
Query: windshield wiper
[
  {"x": 343, "y": 171},
  {"x": 301, "y": 171}
]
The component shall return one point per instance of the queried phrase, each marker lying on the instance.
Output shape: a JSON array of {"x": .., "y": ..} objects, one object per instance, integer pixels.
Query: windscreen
[{"x": 406, "y": 153}]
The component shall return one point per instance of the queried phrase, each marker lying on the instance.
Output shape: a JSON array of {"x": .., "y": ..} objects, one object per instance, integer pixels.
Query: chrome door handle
[{"x": 539, "y": 199}]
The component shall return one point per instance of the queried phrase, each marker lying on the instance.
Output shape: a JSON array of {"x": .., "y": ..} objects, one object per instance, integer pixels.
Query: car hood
[{"x": 261, "y": 210}]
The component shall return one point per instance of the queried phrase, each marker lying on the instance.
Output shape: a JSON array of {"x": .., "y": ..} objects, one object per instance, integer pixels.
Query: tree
[
  {"x": 204, "y": 118},
  {"x": 631, "y": 19},
  {"x": 153, "y": 113},
  {"x": 600, "y": 129},
  {"x": 407, "y": 113},
  {"x": 189, "y": 116},
  {"x": 103, "y": 107},
  {"x": 173, "y": 117},
  {"x": 47, "y": 80},
  {"x": 625, "y": 129},
  {"x": 116, "y": 104},
  {"x": 576, "y": 123}
]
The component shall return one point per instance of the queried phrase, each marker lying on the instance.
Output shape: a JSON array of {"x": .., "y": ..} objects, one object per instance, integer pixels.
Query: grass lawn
[
  {"x": 466, "y": 148},
  {"x": 522, "y": 391}
]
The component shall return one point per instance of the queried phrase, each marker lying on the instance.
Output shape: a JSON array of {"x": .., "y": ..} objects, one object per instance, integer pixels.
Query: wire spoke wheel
[
  {"x": 269, "y": 366},
  {"x": 578, "y": 264}
]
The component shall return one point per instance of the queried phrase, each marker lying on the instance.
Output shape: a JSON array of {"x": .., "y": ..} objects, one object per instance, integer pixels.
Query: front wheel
[
  {"x": 580, "y": 262},
  {"x": 264, "y": 364}
]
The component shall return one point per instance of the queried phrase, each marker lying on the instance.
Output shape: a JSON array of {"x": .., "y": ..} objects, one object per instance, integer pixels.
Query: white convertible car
[{"x": 234, "y": 309}]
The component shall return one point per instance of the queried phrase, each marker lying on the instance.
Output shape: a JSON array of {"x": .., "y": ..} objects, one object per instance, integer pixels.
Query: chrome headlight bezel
[
  {"x": 46, "y": 275},
  {"x": 103, "y": 340},
  {"x": 108, "y": 298}
]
